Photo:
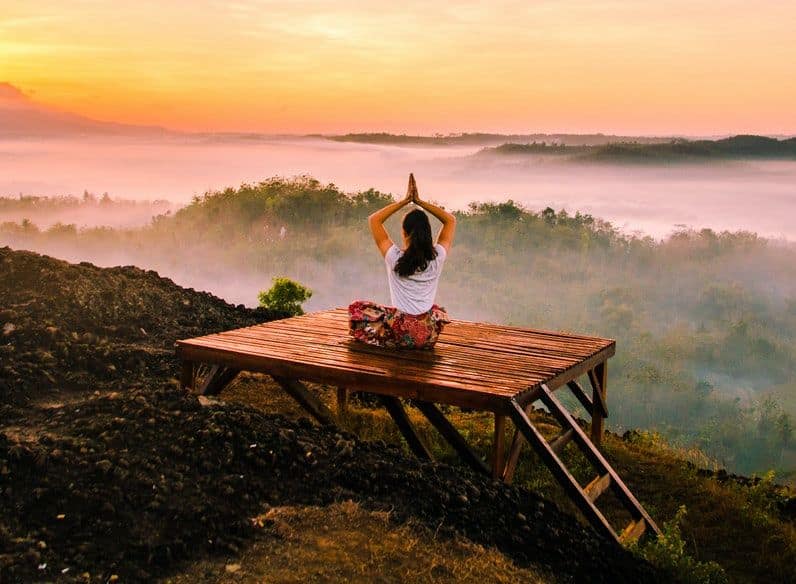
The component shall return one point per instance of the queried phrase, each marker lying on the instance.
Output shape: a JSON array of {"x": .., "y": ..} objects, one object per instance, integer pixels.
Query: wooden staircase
[{"x": 585, "y": 497}]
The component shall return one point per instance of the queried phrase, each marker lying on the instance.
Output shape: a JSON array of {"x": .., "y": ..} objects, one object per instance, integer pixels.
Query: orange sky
[{"x": 625, "y": 66}]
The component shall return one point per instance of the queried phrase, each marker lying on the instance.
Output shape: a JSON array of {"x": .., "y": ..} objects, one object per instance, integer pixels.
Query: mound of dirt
[
  {"x": 129, "y": 483},
  {"x": 136, "y": 476},
  {"x": 65, "y": 326}
]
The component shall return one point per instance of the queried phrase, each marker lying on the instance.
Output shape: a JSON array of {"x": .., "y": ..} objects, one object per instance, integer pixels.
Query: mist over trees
[{"x": 705, "y": 322}]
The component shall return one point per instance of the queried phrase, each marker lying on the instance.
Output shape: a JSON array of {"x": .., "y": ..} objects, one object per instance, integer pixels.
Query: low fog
[
  {"x": 758, "y": 196},
  {"x": 705, "y": 320}
]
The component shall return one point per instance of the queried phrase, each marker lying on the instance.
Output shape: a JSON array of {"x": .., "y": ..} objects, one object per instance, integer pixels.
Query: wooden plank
[
  {"x": 398, "y": 414},
  {"x": 449, "y": 393},
  {"x": 455, "y": 358},
  {"x": 580, "y": 394},
  {"x": 599, "y": 380},
  {"x": 560, "y": 441},
  {"x": 600, "y": 402},
  {"x": 498, "y": 446},
  {"x": 393, "y": 367},
  {"x": 560, "y": 472},
  {"x": 633, "y": 531},
  {"x": 597, "y": 459},
  {"x": 578, "y": 369},
  {"x": 452, "y": 436},
  {"x": 308, "y": 400},
  {"x": 597, "y": 486},
  {"x": 218, "y": 378},
  {"x": 514, "y": 452}
]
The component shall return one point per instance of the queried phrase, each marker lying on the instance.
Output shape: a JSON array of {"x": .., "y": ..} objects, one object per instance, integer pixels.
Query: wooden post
[
  {"x": 396, "y": 410},
  {"x": 599, "y": 382},
  {"x": 306, "y": 399},
  {"x": 498, "y": 447},
  {"x": 452, "y": 436},
  {"x": 187, "y": 374},
  {"x": 342, "y": 402}
]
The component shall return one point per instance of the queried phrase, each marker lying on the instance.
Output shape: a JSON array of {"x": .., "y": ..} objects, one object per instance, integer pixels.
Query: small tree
[{"x": 285, "y": 295}]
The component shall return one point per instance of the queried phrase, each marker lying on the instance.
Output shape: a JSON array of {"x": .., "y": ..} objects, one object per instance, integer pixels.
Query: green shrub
[
  {"x": 285, "y": 295},
  {"x": 667, "y": 552}
]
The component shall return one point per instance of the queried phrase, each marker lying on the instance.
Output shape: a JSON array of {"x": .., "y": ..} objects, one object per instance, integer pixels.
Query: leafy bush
[
  {"x": 668, "y": 553},
  {"x": 285, "y": 295}
]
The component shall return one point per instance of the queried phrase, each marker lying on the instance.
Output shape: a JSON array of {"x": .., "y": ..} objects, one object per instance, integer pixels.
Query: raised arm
[
  {"x": 445, "y": 238},
  {"x": 377, "y": 219}
]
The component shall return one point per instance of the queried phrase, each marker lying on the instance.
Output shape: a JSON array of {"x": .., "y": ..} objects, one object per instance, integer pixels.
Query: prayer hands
[{"x": 411, "y": 191}]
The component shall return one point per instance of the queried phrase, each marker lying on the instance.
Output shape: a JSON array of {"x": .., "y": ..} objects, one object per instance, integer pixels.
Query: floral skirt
[{"x": 386, "y": 326}]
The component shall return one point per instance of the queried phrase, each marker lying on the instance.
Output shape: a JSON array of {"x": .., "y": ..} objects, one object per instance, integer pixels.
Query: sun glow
[{"x": 618, "y": 66}]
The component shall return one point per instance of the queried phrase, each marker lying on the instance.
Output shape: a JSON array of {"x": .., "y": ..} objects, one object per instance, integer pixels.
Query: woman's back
[{"x": 414, "y": 294}]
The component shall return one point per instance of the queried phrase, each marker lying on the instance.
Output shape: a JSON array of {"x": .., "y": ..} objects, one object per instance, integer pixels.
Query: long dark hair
[{"x": 421, "y": 247}]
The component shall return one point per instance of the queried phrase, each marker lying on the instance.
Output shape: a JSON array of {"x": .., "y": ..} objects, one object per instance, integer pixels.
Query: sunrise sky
[{"x": 632, "y": 66}]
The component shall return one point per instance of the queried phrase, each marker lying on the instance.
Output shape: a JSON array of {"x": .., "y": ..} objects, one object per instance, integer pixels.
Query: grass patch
[
  {"x": 735, "y": 526},
  {"x": 344, "y": 543}
]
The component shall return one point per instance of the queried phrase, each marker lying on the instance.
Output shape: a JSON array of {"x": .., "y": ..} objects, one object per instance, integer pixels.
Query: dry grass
[
  {"x": 724, "y": 523},
  {"x": 344, "y": 543}
]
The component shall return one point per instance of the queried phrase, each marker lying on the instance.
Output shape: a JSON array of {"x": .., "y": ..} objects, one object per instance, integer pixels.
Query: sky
[{"x": 623, "y": 66}]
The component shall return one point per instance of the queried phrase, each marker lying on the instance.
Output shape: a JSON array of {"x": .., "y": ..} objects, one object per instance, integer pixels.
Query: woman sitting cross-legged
[{"x": 413, "y": 321}]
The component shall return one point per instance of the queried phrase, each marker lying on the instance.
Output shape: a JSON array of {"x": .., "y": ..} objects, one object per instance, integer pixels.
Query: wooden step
[
  {"x": 597, "y": 487},
  {"x": 633, "y": 531},
  {"x": 560, "y": 441}
]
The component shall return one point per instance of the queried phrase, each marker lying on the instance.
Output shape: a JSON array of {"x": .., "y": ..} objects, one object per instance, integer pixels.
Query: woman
[{"x": 413, "y": 321}]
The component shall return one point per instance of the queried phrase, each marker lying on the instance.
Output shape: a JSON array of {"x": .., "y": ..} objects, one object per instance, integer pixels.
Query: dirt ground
[{"x": 109, "y": 472}]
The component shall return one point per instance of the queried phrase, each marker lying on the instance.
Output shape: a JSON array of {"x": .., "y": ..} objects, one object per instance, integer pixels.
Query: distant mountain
[
  {"x": 23, "y": 117},
  {"x": 671, "y": 151},
  {"x": 476, "y": 139}
]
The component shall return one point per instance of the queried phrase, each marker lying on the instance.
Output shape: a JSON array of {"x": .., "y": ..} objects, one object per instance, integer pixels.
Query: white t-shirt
[{"x": 414, "y": 294}]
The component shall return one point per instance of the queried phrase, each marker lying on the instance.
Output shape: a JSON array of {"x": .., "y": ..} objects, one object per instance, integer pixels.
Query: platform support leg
[
  {"x": 599, "y": 381},
  {"x": 306, "y": 399},
  {"x": 342, "y": 402},
  {"x": 407, "y": 429},
  {"x": 515, "y": 449},
  {"x": 216, "y": 380},
  {"x": 452, "y": 436}
]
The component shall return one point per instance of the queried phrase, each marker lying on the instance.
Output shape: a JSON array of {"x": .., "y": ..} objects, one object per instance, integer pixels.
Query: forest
[
  {"x": 705, "y": 321},
  {"x": 675, "y": 150}
]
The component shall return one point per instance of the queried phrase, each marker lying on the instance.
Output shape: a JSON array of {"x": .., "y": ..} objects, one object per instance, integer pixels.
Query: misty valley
[{"x": 705, "y": 320}]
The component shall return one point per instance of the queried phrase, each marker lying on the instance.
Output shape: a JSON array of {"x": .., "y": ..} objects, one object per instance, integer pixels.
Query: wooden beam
[
  {"x": 560, "y": 472},
  {"x": 580, "y": 393},
  {"x": 353, "y": 380},
  {"x": 600, "y": 403},
  {"x": 452, "y": 436},
  {"x": 560, "y": 441},
  {"x": 596, "y": 458},
  {"x": 306, "y": 399},
  {"x": 396, "y": 410},
  {"x": 342, "y": 401},
  {"x": 633, "y": 531},
  {"x": 498, "y": 446},
  {"x": 597, "y": 487},
  {"x": 218, "y": 378},
  {"x": 514, "y": 452},
  {"x": 599, "y": 380}
]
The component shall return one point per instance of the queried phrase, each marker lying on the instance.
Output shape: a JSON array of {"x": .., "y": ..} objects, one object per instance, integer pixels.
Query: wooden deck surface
[{"x": 473, "y": 364}]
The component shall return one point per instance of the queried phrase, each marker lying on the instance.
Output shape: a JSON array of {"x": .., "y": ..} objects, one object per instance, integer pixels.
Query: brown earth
[{"x": 109, "y": 471}]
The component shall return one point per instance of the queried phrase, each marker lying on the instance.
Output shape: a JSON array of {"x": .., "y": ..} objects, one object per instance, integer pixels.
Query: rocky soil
[
  {"x": 69, "y": 327},
  {"x": 108, "y": 471}
]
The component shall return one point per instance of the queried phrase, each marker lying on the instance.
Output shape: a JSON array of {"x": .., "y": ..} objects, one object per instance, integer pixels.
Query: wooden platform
[
  {"x": 473, "y": 364},
  {"x": 489, "y": 367}
]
